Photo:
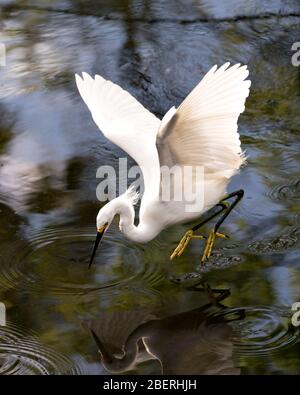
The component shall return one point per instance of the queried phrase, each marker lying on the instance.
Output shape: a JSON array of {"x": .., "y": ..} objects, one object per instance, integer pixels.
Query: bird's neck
[
  {"x": 142, "y": 233},
  {"x": 118, "y": 365}
]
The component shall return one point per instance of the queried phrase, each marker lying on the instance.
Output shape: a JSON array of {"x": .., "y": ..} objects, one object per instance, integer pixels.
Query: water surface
[{"x": 50, "y": 151}]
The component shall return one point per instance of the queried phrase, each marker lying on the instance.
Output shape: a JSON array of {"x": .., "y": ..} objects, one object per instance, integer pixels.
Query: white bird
[{"x": 201, "y": 132}]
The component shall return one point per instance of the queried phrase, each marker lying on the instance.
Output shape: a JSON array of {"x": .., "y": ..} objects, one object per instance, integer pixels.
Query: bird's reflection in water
[{"x": 192, "y": 342}]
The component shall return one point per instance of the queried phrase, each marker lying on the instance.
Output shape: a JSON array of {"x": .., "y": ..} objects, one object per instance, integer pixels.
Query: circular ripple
[
  {"x": 287, "y": 191},
  {"x": 22, "y": 354},
  {"x": 57, "y": 260},
  {"x": 261, "y": 330}
]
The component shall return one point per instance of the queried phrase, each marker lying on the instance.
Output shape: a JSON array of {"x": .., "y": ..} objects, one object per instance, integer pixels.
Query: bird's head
[
  {"x": 122, "y": 205},
  {"x": 105, "y": 216}
]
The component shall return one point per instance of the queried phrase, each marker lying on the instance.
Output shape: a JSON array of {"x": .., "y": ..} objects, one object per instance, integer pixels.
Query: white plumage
[{"x": 203, "y": 131}]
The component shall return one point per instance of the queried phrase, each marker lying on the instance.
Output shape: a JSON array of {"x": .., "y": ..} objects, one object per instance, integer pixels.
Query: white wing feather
[
  {"x": 203, "y": 130},
  {"x": 125, "y": 122}
]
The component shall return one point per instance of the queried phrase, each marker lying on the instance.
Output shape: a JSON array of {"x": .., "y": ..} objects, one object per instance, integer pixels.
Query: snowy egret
[
  {"x": 202, "y": 132},
  {"x": 191, "y": 342}
]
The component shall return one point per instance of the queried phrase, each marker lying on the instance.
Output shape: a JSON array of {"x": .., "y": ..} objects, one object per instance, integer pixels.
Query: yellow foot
[
  {"x": 210, "y": 243},
  {"x": 184, "y": 242}
]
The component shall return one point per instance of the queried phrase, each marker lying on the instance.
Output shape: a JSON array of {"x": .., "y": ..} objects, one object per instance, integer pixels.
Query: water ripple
[
  {"x": 286, "y": 191},
  {"x": 22, "y": 354},
  {"x": 57, "y": 260},
  {"x": 263, "y": 330}
]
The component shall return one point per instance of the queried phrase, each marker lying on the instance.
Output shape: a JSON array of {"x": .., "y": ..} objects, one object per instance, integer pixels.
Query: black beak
[
  {"x": 99, "y": 236},
  {"x": 102, "y": 351},
  {"x": 97, "y": 340}
]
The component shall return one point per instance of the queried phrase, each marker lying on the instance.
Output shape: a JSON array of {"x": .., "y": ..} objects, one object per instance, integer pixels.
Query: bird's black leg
[
  {"x": 238, "y": 195},
  {"x": 216, "y": 296},
  {"x": 223, "y": 205}
]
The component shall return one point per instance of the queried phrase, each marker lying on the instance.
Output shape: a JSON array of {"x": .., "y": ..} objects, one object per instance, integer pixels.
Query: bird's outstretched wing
[
  {"x": 203, "y": 130},
  {"x": 125, "y": 122}
]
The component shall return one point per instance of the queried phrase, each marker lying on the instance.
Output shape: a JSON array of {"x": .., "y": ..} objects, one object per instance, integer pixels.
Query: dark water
[{"x": 50, "y": 151}]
